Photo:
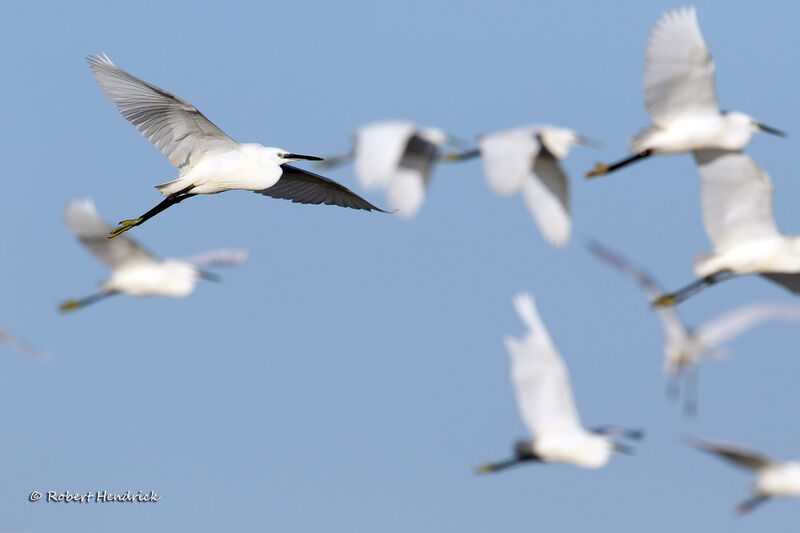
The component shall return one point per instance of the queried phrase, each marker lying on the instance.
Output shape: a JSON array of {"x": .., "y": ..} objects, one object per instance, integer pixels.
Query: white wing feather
[
  {"x": 507, "y": 159},
  {"x": 21, "y": 346},
  {"x": 675, "y": 329},
  {"x": 546, "y": 194},
  {"x": 406, "y": 192},
  {"x": 679, "y": 74},
  {"x": 378, "y": 150},
  {"x": 540, "y": 378},
  {"x": 734, "y": 322},
  {"x": 92, "y": 231},
  {"x": 737, "y": 198},
  {"x": 174, "y": 126},
  {"x": 216, "y": 258},
  {"x": 514, "y": 161}
]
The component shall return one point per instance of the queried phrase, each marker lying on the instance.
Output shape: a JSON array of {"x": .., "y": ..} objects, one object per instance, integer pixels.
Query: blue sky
[{"x": 350, "y": 374}]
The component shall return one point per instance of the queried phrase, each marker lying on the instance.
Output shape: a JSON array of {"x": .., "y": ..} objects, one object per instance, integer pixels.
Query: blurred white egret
[
  {"x": 209, "y": 161},
  {"x": 737, "y": 215},
  {"x": 684, "y": 346},
  {"x": 525, "y": 159},
  {"x": 544, "y": 397},
  {"x": 134, "y": 270},
  {"x": 23, "y": 347},
  {"x": 680, "y": 97},
  {"x": 397, "y": 156},
  {"x": 773, "y": 479}
]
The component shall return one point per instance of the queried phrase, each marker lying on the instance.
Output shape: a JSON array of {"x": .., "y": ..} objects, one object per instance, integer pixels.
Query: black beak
[
  {"x": 209, "y": 276},
  {"x": 586, "y": 141},
  {"x": 303, "y": 157},
  {"x": 623, "y": 448},
  {"x": 768, "y": 129}
]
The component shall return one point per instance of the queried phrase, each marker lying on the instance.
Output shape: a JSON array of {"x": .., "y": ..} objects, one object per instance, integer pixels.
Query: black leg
[
  {"x": 668, "y": 300},
  {"x": 690, "y": 390},
  {"x": 500, "y": 465},
  {"x": 619, "y": 432},
  {"x": 71, "y": 305},
  {"x": 602, "y": 168},
  {"x": 169, "y": 201},
  {"x": 460, "y": 156},
  {"x": 673, "y": 388},
  {"x": 749, "y": 504}
]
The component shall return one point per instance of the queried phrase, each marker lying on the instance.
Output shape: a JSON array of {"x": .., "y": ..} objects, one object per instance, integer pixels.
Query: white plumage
[
  {"x": 773, "y": 478},
  {"x": 525, "y": 160},
  {"x": 737, "y": 215},
  {"x": 136, "y": 271},
  {"x": 680, "y": 97},
  {"x": 209, "y": 161},
  {"x": 544, "y": 397},
  {"x": 685, "y": 347},
  {"x": 397, "y": 156}
]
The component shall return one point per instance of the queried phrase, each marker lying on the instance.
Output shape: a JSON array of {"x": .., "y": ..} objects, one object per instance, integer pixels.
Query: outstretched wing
[
  {"x": 21, "y": 346},
  {"x": 737, "y": 456},
  {"x": 378, "y": 149},
  {"x": 737, "y": 198},
  {"x": 734, "y": 322},
  {"x": 408, "y": 183},
  {"x": 546, "y": 194},
  {"x": 174, "y": 126},
  {"x": 507, "y": 159},
  {"x": 304, "y": 187},
  {"x": 513, "y": 161},
  {"x": 540, "y": 378},
  {"x": 218, "y": 258},
  {"x": 787, "y": 281},
  {"x": 679, "y": 74},
  {"x": 674, "y": 329},
  {"x": 92, "y": 231}
]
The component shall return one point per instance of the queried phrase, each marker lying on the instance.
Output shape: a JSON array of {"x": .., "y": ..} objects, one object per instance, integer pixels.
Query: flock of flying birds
[{"x": 399, "y": 157}]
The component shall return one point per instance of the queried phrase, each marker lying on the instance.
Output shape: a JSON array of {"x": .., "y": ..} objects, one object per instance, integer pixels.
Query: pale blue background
[{"x": 351, "y": 374}]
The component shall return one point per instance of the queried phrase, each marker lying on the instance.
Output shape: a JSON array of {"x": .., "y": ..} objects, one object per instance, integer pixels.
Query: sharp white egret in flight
[
  {"x": 209, "y": 161},
  {"x": 136, "y": 271},
  {"x": 736, "y": 196},
  {"x": 773, "y": 479},
  {"x": 686, "y": 346},
  {"x": 544, "y": 397},
  {"x": 23, "y": 347},
  {"x": 397, "y": 156},
  {"x": 680, "y": 97},
  {"x": 525, "y": 159}
]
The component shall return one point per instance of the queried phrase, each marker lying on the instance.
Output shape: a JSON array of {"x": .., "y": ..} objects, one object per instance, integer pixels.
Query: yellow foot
[
  {"x": 599, "y": 170},
  {"x": 484, "y": 469},
  {"x": 124, "y": 226},
  {"x": 452, "y": 156},
  {"x": 667, "y": 300},
  {"x": 69, "y": 305}
]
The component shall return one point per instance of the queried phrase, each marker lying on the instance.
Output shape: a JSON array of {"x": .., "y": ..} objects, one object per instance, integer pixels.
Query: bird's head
[
  {"x": 282, "y": 156},
  {"x": 434, "y": 136},
  {"x": 743, "y": 122},
  {"x": 523, "y": 449},
  {"x": 558, "y": 141}
]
